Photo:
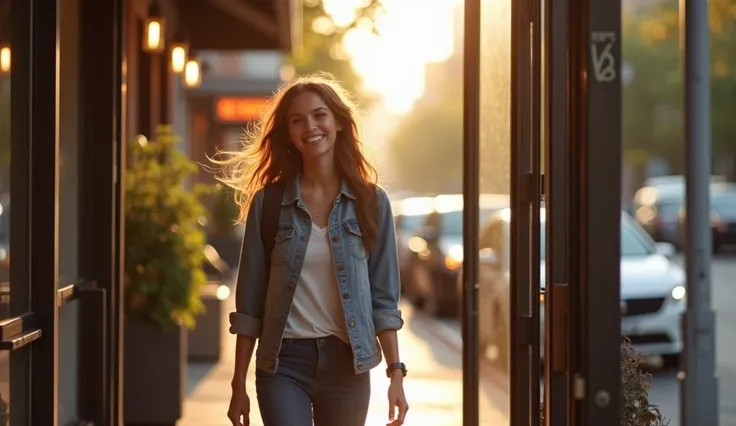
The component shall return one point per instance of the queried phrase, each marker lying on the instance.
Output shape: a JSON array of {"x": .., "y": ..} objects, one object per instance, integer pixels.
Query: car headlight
[
  {"x": 678, "y": 293},
  {"x": 454, "y": 258}
]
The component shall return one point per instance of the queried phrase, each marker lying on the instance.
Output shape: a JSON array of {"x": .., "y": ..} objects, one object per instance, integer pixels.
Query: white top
[{"x": 317, "y": 310}]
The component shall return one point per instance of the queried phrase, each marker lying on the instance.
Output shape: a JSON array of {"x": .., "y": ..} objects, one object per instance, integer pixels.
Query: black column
[
  {"x": 44, "y": 215},
  {"x": 101, "y": 154},
  {"x": 595, "y": 186}
]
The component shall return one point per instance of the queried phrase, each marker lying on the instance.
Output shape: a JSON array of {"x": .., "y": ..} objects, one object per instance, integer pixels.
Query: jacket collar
[{"x": 293, "y": 191}]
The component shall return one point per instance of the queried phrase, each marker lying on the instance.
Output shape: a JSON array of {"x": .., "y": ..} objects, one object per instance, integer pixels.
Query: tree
[
  {"x": 322, "y": 48},
  {"x": 653, "y": 102}
]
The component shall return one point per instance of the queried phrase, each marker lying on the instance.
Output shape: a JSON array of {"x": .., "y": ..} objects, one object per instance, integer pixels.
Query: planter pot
[
  {"x": 154, "y": 374},
  {"x": 204, "y": 342}
]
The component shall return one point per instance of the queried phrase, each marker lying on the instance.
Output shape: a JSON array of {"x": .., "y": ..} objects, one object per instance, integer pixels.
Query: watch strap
[{"x": 396, "y": 366}]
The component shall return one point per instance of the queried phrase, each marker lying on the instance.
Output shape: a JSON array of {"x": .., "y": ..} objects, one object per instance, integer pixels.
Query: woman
[{"x": 330, "y": 285}]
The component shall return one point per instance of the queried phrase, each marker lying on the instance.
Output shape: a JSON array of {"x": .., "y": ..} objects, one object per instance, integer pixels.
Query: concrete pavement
[{"x": 433, "y": 386}]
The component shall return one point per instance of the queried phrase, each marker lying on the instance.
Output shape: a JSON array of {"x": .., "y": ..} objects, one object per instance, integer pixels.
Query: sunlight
[{"x": 410, "y": 35}]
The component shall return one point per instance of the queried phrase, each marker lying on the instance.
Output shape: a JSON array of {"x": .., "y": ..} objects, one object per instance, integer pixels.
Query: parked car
[
  {"x": 652, "y": 290},
  {"x": 437, "y": 252},
  {"x": 657, "y": 208},
  {"x": 722, "y": 222},
  {"x": 409, "y": 215}
]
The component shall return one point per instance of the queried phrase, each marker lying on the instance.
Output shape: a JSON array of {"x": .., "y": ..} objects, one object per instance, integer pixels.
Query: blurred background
[{"x": 404, "y": 62}]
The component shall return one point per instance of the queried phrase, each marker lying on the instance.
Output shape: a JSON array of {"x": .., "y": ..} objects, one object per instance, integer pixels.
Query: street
[
  {"x": 432, "y": 351},
  {"x": 665, "y": 387}
]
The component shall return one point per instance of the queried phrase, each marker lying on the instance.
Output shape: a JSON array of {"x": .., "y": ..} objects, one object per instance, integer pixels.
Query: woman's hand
[
  {"x": 239, "y": 410},
  {"x": 397, "y": 401}
]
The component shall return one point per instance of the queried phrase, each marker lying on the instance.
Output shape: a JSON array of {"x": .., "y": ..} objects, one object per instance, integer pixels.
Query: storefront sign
[{"x": 239, "y": 109}]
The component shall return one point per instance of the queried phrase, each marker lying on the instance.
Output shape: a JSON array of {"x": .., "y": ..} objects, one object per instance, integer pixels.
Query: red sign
[{"x": 235, "y": 109}]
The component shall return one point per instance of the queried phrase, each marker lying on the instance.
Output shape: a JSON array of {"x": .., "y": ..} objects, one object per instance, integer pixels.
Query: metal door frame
[
  {"x": 525, "y": 203},
  {"x": 32, "y": 334}
]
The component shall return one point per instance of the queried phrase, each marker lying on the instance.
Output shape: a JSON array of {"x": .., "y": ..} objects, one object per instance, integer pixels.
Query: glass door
[
  {"x": 59, "y": 173},
  {"x": 502, "y": 214}
]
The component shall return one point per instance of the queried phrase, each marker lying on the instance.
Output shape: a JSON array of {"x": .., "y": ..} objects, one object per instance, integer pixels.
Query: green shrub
[{"x": 164, "y": 241}]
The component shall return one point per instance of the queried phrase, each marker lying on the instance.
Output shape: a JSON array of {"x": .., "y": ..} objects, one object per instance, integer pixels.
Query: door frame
[{"x": 32, "y": 333}]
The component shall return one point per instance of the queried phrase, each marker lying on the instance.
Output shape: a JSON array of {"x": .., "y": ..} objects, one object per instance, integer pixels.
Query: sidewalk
[{"x": 433, "y": 386}]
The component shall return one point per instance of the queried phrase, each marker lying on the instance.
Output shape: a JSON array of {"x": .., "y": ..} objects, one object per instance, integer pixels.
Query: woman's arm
[
  {"x": 390, "y": 346},
  {"x": 383, "y": 271},
  {"x": 250, "y": 294}
]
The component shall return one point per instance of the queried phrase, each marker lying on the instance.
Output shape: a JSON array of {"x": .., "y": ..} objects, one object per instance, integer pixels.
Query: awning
[{"x": 241, "y": 24}]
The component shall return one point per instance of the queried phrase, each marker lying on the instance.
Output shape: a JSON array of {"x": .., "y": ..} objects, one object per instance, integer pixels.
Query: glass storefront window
[
  {"x": 69, "y": 212},
  {"x": 5, "y": 126},
  {"x": 495, "y": 163}
]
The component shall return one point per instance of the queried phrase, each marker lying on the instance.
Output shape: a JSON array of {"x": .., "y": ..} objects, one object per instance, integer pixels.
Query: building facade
[{"x": 78, "y": 80}]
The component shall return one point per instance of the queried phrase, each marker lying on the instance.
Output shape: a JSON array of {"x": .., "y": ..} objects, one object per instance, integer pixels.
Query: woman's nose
[{"x": 311, "y": 123}]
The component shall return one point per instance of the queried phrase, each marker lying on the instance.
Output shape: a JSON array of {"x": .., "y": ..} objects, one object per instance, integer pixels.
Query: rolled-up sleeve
[
  {"x": 383, "y": 270},
  {"x": 250, "y": 293}
]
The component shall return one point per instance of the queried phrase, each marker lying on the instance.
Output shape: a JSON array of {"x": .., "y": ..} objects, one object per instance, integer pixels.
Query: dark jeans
[{"x": 315, "y": 379}]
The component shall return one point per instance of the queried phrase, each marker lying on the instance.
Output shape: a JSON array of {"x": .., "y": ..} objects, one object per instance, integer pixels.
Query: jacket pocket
[
  {"x": 282, "y": 245},
  {"x": 355, "y": 239}
]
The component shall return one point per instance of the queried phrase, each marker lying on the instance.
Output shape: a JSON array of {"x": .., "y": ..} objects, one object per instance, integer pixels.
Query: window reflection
[{"x": 5, "y": 123}]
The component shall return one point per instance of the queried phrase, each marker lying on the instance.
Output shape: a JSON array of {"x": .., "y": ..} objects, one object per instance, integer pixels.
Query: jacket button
[
  {"x": 340, "y": 268},
  {"x": 335, "y": 239},
  {"x": 352, "y": 323},
  {"x": 346, "y": 296},
  {"x": 305, "y": 238}
]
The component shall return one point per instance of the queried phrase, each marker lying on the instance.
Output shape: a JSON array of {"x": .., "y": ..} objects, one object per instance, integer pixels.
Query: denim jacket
[{"x": 368, "y": 282}]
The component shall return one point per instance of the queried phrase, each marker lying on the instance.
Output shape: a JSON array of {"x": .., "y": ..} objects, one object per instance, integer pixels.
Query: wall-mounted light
[
  {"x": 4, "y": 59},
  {"x": 192, "y": 73},
  {"x": 179, "y": 56},
  {"x": 154, "y": 35}
]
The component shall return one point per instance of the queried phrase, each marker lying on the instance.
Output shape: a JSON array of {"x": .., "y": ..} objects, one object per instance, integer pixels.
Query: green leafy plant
[
  {"x": 164, "y": 241},
  {"x": 224, "y": 211}
]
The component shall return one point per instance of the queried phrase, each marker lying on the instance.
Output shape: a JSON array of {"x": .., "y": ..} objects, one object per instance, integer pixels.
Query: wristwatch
[{"x": 395, "y": 366}]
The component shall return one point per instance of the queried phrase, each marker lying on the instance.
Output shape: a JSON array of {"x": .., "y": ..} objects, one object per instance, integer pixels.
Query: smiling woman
[{"x": 318, "y": 280}]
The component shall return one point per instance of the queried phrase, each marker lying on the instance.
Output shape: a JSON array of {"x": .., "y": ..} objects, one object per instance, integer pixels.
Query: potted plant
[{"x": 163, "y": 274}]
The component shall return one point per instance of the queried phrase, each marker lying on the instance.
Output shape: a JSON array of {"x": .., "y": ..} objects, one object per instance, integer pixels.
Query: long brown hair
[{"x": 268, "y": 156}]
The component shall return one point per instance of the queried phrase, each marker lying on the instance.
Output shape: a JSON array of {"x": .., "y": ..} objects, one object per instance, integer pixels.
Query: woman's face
[{"x": 312, "y": 125}]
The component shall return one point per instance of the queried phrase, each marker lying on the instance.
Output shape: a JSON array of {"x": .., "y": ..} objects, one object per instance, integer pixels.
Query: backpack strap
[{"x": 270, "y": 212}]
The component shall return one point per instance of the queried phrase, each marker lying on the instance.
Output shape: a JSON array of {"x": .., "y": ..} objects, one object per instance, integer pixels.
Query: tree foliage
[{"x": 653, "y": 108}]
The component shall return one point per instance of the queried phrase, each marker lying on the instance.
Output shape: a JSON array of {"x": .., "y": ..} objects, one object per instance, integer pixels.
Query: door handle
[{"x": 20, "y": 340}]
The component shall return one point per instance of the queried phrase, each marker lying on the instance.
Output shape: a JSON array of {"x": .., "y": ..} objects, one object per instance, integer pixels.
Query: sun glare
[{"x": 410, "y": 35}]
